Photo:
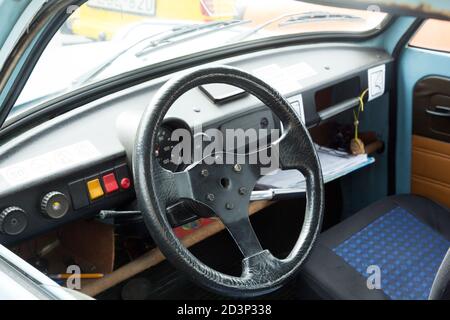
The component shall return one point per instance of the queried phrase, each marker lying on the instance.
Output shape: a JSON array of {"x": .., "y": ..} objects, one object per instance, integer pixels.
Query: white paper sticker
[
  {"x": 377, "y": 81},
  {"x": 287, "y": 79},
  {"x": 301, "y": 71},
  {"x": 278, "y": 78},
  {"x": 297, "y": 104},
  {"x": 49, "y": 163}
]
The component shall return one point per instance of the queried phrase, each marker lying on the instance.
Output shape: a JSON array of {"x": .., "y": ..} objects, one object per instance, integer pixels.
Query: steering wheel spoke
[
  {"x": 238, "y": 224},
  {"x": 171, "y": 186},
  {"x": 226, "y": 190}
]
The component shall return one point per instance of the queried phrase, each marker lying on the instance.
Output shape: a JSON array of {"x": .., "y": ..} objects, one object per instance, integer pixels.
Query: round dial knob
[
  {"x": 13, "y": 221},
  {"x": 55, "y": 205}
]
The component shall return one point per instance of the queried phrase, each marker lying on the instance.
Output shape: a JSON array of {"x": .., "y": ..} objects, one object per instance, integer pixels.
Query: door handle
[{"x": 439, "y": 111}]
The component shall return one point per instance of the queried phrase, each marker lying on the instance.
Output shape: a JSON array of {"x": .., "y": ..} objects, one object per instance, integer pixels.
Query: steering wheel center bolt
[
  {"x": 242, "y": 191},
  {"x": 204, "y": 173},
  {"x": 237, "y": 168},
  {"x": 210, "y": 197},
  {"x": 229, "y": 206}
]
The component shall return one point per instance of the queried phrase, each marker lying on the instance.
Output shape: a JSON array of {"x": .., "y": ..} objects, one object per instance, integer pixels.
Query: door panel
[
  {"x": 432, "y": 108},
  {"x": 431, "y": 140},
  {"x": 431, "y": 169}
]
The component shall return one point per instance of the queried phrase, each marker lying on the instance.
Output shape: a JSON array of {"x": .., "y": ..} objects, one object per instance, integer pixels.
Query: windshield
[{"x": 104, "y": 38}]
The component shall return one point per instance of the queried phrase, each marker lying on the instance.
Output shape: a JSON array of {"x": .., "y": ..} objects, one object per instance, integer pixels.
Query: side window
[{"x": 433, "y": 35}]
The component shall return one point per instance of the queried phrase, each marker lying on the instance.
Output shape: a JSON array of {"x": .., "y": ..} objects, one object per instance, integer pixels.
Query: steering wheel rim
[{"x": 155, "y": 186}]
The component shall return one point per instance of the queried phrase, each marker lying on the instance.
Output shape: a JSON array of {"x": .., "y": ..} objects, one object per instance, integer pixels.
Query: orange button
[{"x": 95, "y": 189}]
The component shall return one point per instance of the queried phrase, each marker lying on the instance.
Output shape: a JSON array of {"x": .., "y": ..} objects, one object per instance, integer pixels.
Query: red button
[
  {"x": 110, "y": 183},
  {"x": 125, "y": 183}
]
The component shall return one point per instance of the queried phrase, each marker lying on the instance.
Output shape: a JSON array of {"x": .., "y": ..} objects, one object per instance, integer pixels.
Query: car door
[{"x": 429, "y": 55}]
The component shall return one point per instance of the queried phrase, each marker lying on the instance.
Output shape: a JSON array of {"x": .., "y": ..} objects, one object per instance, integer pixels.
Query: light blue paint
[
  {"x": 15, "y": 15},
  {"x": 14, "y": 74},
  {"x": 391, "y": 36},
  {"x": 415, "y": 64},
  {"x": 10, "y": 11}
]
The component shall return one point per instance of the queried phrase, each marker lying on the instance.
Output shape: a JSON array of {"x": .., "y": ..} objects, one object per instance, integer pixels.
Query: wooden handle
[{"x": 155, "y": 256}]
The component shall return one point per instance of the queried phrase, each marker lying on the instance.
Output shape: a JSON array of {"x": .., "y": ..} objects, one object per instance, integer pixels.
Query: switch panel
[{"x": 95, "y": 189}]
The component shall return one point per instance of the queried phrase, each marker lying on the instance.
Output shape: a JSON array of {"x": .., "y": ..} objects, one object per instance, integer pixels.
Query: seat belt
[{"x": 441, "y": 285}]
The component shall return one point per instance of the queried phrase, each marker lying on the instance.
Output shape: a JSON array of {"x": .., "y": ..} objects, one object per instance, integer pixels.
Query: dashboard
[{"x": 77, "y": 164}]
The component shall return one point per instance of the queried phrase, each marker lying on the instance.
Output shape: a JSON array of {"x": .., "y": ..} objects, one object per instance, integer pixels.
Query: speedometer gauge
[{"x": 164, "y": 147}]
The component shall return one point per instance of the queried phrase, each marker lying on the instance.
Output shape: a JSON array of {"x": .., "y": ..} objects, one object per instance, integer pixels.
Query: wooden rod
[
  {"x": 373, "y": 147},
  {"x": 155, "y": 256}
]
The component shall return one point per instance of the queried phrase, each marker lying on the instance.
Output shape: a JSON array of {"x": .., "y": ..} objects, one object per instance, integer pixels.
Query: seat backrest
[{"x": 441, "y": 285}]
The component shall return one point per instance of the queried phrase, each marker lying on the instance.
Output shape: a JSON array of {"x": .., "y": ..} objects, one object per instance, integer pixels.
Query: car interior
[{"x": 356, "y": 208}]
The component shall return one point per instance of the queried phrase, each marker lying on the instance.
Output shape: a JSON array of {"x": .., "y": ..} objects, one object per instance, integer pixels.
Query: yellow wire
[
  {"x": 361, "y": 99},
  {"x": 360, "y": 109}
]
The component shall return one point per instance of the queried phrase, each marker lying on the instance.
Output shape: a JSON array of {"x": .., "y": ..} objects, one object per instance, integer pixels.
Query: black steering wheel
[{"x": 156, "y": 188}]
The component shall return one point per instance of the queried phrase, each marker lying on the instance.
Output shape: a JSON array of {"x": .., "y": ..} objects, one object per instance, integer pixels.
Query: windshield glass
[{"x": 104, "y": 38}]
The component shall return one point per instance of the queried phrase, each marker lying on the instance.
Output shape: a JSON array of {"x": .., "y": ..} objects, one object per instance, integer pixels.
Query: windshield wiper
[
  {"x": 208, "y": 27},
  {"x": 295, "y": 18},
  {"x": 318, "y": 15},
  {"x": 159, "y": 40}
]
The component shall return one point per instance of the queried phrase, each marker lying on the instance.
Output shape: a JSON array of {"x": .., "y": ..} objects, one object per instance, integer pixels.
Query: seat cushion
[{"x": 405, "y": 236}]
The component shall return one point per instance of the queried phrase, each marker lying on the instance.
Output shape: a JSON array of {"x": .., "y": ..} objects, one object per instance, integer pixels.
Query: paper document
[{"x": 335, "y": 164}]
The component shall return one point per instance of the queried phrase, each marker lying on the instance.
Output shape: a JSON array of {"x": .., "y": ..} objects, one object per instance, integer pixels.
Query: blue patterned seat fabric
[{"x": 407, "y": 251}]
